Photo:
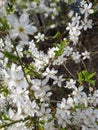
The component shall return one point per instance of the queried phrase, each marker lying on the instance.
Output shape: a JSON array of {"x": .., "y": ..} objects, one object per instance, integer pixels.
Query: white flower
[
  {"x": 68, "y": 51},
  {"x": 76, "y": 57},
  {"x": 80, "y": 97},
  {"x": 63, "y": 113},
  {"x": 30, "y": 107},
  {"x": 63, "y": 105},
  {"x": 50, "y": 73},
  {"x": 20, "y": 27},
  {"x": 58, "y": 80},
  {"x": 14, "y": 79},
  {"x": 75, "y": 19},
  {"x": 16, "y": 72},
  {"x": 74, "y": 32},
  {"x": 93, "y": 99},
  {"x": 86, "y": 9},
  {"x": 70, "y": 26},
  {"x": 51, "y": 52},
  {"x": 41, "y": 59},
  {"x": 45, "y": 113},
  {"x": 86, "y": 24},
  {"x": 77, "y": 91},
  {"x": 60, "y": 60},
  {"x": 49, "y": 126},
  {"x": 40, "y": 89},
  {"x": 40, "y": 37},
  {"x": 86, "y": 55},
  {"x": 70, "y": 84}
]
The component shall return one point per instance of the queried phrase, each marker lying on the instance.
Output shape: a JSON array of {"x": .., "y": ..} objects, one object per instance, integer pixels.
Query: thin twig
[
  {"x": 14, "y": 122},
  {"x": 69, "y": 71}
]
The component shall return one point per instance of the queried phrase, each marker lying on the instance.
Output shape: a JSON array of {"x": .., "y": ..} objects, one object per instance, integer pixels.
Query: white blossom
[
  {"x": 76, "y": 57},
  {"x": 70, "y": 84},
  {"x": 21, "y": 27},
  {"x": 39, "y": 37},
  {"x": 58, "y": 80},
  {"x": 86, "y": 55}
]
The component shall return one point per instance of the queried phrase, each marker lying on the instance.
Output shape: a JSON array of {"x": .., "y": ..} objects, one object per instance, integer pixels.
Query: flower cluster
[
  {"x": 37, "y": 89},
  {"x": 80, "y": 21}
]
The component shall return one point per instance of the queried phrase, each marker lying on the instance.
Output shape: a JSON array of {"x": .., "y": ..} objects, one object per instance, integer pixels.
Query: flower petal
[
  {"x": 12, "y": 20},
  {"x": 30, "y": 29},
  {"x": 24, "y": 19}
]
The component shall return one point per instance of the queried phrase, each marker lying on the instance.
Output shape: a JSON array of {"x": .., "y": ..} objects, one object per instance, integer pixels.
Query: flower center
[{"x": 21, "y": 29}]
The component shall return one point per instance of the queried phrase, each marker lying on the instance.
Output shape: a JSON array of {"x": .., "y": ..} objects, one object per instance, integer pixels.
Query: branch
[{"x": 14, "y": 122}]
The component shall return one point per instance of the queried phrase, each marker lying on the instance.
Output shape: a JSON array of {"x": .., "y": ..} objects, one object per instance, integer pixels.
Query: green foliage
[
  {"x": 4, "y": 23},
  {"x": 57, "y": 35},
  {"x": 31, "y": 70},
  {"x": 9, "y": 6},
  {"x": 61, "y": 47},
  {"x": 10, "y": 56},
  {"x": 79, "y": 106},
  {"x": 4, "y": 117},
  {"x": 42, "y": 122},
  {"x": 40, "y": 127},
  {"x": 4, "y": 90},
  {"x": 36, "y": 0},
  {"x": 64, "y": 129},
  {"x": 86, "y": 76}
]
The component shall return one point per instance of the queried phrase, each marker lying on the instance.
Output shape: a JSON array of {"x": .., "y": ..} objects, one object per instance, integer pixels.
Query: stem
[
  {"x": 21, "y": 63},
  {"x": 84, "y": 64},
  {"x": 14, "y": 122},
  {"x": 23, "y": 69},
  {"x": 69, "y": 71},
  {"x": 55, "y": 101}
]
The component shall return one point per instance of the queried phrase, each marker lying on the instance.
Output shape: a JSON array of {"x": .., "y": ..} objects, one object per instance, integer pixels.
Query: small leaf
[
  {"x": 85, "y": 73},
  {"x": 61, "y": 47},
  {"x": 86, "y": 76},
  {"x": 91, "y": 75},
  {"x": 64, "y": 129},
  {"x": 80, "y": 77},
  {"x": 4, "y": 23},
  {"x": 91, "y": 82},
  {"x": 57, "y": 35},
  {"x": 10, "y": 55}
]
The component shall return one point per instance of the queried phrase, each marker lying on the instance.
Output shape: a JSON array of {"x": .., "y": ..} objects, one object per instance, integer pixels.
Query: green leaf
[
  {"x": 80, "y": 77},
  {"x": 64, "y": 129},
  {"x": 85, "y": 73},
  {"x": 86, "y": 76},
  {"x": 4, "y": 90},
  {"x": 91, "y": 75},
  {"x": 5, "y": 26},
  {"x": 31, "y": 70},
  {"x": 79, "y": 106},
  {"x": 40, "y": 127},
  {"x": 61, "y": 47},
  {"x": 36, "y": 1},
  {"x": 57, "y": 35},
  {"x": 11, "y": 56},
  {"x": 91, "y": 82}
]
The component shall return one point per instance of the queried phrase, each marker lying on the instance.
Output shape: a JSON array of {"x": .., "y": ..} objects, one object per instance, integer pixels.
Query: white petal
[
  {"x": 13, "y": 34},
  {"x": 12, "y": 20},
  {"x": 24, "y": 19},
  {"x": 23, "y": 36},
  {"x": 30, "y": 29},
  {"x": 81, "y": 88}
]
